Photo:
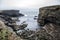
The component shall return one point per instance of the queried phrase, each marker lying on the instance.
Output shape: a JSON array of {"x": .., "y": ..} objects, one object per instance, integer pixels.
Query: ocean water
[{"x": 29, "y": 18}]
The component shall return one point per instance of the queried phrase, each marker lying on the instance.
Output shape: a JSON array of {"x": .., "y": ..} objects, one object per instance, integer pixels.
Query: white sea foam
[{"x": 26, "y": 15}]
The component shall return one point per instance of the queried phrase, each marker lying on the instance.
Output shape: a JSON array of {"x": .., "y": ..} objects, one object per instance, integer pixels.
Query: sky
[{"x": 4, "y": 4}]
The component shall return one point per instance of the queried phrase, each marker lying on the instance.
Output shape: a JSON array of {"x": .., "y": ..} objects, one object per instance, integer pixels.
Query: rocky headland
[{"x": 49, "y": 20}]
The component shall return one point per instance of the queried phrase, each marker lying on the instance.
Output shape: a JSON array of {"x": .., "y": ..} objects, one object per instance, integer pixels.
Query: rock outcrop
[
  {"x": 6, "y": 33},
  {"x": 11, "y": 13},
  {"x": 9, "y": 17},
  {"x": 49, "y": 19},
  {"x": 49, "y": 14},
  {"x": 8, "y": 26}
]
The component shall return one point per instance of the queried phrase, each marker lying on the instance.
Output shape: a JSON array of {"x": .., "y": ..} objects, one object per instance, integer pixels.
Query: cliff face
[
  {"x": 49, "y": 19},
  {"x": 49, "y": 14}
]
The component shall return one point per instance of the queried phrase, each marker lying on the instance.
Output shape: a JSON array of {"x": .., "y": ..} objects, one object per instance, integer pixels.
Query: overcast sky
[{"x": 27, "y": 3}]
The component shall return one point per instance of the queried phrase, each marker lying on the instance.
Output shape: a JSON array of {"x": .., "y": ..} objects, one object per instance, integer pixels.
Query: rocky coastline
[
  {"x": 48, "y": 20},
  {"x": 8, "y": 20}
]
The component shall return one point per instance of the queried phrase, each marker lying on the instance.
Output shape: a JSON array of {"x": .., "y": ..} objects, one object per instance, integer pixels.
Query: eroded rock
[
  {"x": 49, "y": 14},
  {"x": 49, "y": 19},
  {"x": 6, "y": 33}
]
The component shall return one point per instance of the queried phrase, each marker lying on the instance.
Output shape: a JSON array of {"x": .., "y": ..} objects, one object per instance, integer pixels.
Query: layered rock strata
[{"x": 49, "y": 19}]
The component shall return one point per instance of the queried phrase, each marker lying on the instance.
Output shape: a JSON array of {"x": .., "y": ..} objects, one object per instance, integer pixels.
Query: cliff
[
  {"x": 49, "y": 14},
  {"x": 49, "y": 20}
]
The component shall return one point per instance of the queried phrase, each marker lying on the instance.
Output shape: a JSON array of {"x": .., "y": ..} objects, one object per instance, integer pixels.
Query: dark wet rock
[
  {"x": 24, "y": 22},
  {"x": 6, "y": 18},
  {"x": 22, "y": 26},
  {"x": 18, "y": 27},
  {"x": 35, "y": 17},
  {"x": 10, "y": 21},
  {"x": 49, "y": 19},
  {"x": 11, "y": 13}
]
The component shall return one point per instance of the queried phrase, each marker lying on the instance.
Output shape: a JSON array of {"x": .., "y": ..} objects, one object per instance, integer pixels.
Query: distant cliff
[{"x": 12, "y": 13}]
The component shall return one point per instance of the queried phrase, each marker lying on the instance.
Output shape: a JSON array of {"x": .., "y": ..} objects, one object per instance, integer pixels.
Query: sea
[{"x": 30, "y": 18}]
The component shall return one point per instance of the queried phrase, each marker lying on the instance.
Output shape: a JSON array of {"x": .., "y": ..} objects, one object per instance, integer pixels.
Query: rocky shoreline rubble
[
  {"x": 48, "y": 20},
  {"x": 7, "y": 33},
  {"x": 8, "y": 20}
]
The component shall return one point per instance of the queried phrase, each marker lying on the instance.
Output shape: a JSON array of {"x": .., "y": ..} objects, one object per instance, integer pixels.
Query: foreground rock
[
  {"x": 35, "y": 35},
  {"x": 8, "y": 26},
  {"x": 18, "y": 27},
  {"x": 49, "y": 19},
  {"x": 6, "y": 33},
  {"x": 11, "y": 13}
]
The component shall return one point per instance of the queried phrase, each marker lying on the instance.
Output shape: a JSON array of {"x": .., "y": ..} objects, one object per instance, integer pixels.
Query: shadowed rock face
[
  {"x": 49, "y": 19},
  {"x": 49, "y": 14}
]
